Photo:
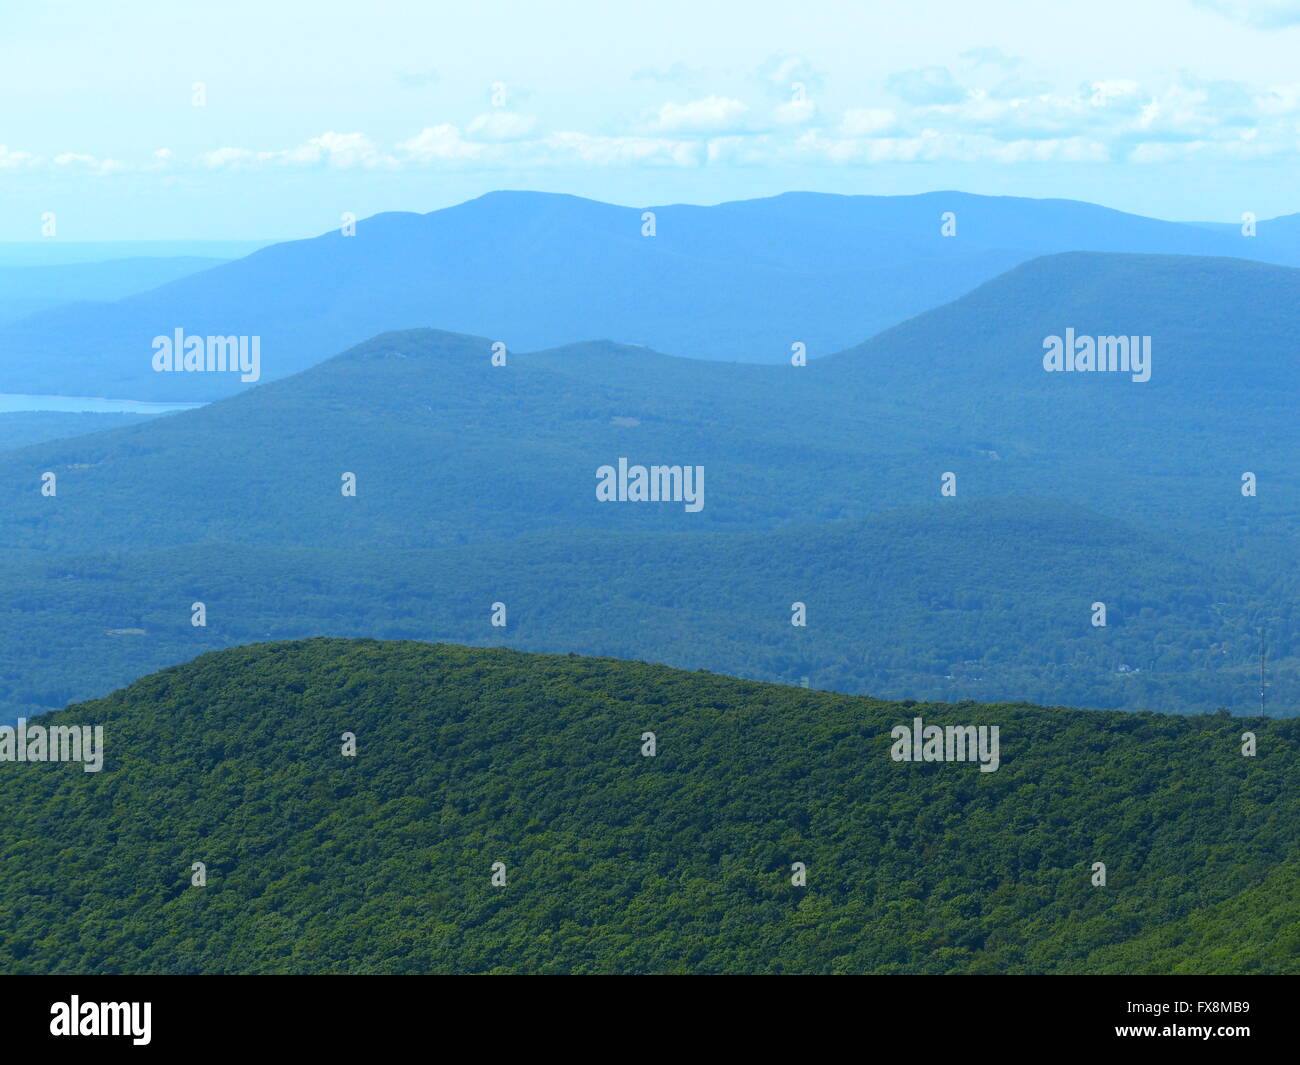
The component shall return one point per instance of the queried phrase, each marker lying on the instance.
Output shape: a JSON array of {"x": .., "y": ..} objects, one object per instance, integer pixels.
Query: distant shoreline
[{"x": 16, "y": 402}]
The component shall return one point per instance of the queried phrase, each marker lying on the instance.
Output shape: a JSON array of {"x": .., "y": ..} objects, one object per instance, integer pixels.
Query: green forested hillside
[
  {"x": 615, "y": 862},
  {"x": 1254, "y": 931}
]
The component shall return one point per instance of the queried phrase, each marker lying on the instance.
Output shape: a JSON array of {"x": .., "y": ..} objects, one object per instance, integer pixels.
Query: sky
[{"x": 271, "y": 119}]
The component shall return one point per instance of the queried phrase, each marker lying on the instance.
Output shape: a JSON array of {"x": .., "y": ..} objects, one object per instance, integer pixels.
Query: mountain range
[
  {"x": 396, "y": 673},
  {"x": 823, "y": 485},
  {"x": 741, "y": 281}
]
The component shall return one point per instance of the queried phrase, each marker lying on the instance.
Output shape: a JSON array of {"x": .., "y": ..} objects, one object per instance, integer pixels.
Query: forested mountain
[
  {"x": 447, "y": 444},
  {"x": 614, "y": 861},
  {"x": 735, "y": 281},
  {"x": 476, "y": 483}
]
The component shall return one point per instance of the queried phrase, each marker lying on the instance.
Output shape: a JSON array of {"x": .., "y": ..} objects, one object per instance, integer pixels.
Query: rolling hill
[
  {"x": 476, "y": 484},
  {"x": 447, "y": 446},
  {"x": 614, "y": 862}
]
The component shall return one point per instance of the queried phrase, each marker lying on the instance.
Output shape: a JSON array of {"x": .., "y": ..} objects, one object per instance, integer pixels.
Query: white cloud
[
  {"x": 12, "y": 160},
  {"x": 500, "y": 126},
  {"x": 991, "y": 56},
  {"x": 345, "y": 150},
  {"x": 224, "y": 158},
  {"x": 1116, "y": 112},
  {"x": 1245, "y": 149},
  {"x": 339, "y": 150},
  {"x": 794, "y": 112},
  {"x": 785, "y": 74},
  {"x": 925, "y": 85},
  {"x": 712, "y": 114},
  {"x": 622, "y": 151},
  {"x": 932, "y": 146},
  {"x": 868, "y": 122},
  {"x": 742, "y": 151},
  {"x": 1195, "y": 110},
  {"x": 441, "y": 143},
  {"x": 937, "y": 118},
  {"x": 447, "y": 145},
  {"x": 1258, "y": 14},
  {"x": 1114, "y": 91},
  {"x": 89, "y": 162},
  {"x": 1280, "y": 100}
]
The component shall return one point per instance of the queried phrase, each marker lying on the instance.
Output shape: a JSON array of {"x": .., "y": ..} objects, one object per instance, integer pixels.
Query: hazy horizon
[{"x": 224, "y": 126}]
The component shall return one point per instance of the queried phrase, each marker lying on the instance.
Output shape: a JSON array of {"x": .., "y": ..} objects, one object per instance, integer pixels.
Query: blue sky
[{"x": 1186, "y": 109}]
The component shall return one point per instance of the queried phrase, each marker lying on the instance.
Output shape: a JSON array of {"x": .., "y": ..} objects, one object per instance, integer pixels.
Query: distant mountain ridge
[
  {"x": 28, "y": 288},
  {"x": 738, "y": 281}
]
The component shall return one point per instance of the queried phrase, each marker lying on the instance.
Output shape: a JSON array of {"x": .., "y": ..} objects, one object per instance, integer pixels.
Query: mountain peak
[{"x": 421, "y": 343}]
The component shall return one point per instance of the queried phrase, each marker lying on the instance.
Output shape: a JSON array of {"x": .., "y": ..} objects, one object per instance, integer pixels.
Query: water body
[{"x": 10, "y": 403}]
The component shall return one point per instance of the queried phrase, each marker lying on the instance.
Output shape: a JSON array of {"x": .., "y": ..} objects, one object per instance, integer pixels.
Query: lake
[{"x": 10, "y": 403}]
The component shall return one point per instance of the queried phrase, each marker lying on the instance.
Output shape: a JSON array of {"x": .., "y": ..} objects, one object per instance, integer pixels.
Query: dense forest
[
  {"x": 973, "y": 599},
  {"x": 613, "y": 861}
]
